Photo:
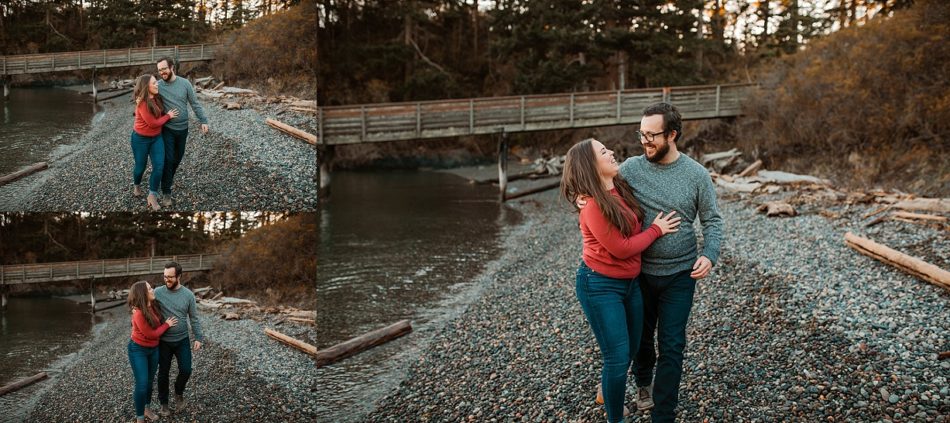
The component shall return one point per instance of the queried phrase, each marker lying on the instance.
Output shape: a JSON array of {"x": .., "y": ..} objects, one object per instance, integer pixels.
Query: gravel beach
[
  {"x": 240, "y": 164},
  {"x": 238, "y": 375},
  {"x": 792, "y": 325}
]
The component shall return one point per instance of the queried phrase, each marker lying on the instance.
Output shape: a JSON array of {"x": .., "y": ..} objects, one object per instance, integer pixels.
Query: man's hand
[
  {"x": 701, "y": 268},
  {"x": 197, "y": 345},
  {"x": 204, "y": 130},
  {"x": 581, "y": 201}
]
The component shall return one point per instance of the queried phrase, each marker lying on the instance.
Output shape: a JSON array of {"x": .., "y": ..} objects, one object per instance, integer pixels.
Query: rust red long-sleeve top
[
  {"x": 142, "y": 333},
  {"x": 146, "y": 124},
  {"x": 606, "y": 250}
]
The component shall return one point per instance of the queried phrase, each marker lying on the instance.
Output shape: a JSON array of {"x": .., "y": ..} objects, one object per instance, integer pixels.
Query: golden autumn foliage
[
  {"x": 867, "y": 105},
  {"x": 274, "y": 264},
  {"x": 276, "y": 53}
]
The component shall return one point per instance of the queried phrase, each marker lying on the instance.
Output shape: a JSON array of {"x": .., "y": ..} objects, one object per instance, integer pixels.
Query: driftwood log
[
  {"x": 22, "y": 383},
  {"x": 751, "y": 169},
  {"x": 527, "y": 192},
  {"x": 293, "y": 342},
  {"x": 909, "y": 264},
  {"x": 943, "y": 356},
  {"x": 936, "y": 205},
  {"x": 918, "y": 216},
  {"x": 29, "y": 170},
  {"x": 290, "y": 130},
  {"x": 777, "y": 208},
  {"x": 362, "y": 343}
]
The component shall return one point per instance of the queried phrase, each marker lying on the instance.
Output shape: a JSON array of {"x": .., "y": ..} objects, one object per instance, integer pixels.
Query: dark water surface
[
  {"x": 35, "y": 335},
  {"x": 393, "y": 246},
  {"x": 35, "y": 121}
]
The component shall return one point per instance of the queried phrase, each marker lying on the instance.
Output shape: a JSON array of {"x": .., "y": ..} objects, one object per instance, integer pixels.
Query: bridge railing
[
  {"x": 50, "y": 62},
  {"x": 75, "y": 270},
  {"x": 445, "y": 118}
]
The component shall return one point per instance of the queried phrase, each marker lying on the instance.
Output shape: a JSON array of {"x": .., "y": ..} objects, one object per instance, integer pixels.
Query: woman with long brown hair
[
  {"x": 146, "y": 139},
  {"x": 147, "y": 327},
  {"x": 607, "y": 286}
]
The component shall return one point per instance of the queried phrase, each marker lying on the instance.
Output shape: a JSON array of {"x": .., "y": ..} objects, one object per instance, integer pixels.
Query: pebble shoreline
[
  {"x": 238, "y": 375},
  {"x": 240, "y": 164},
  {"x": 792, "y": 325}
]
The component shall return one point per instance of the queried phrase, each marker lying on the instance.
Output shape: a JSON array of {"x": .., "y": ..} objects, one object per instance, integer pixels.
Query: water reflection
[
  {"x": 37, "y": 120},
  {"x": 392, "y": 246}
]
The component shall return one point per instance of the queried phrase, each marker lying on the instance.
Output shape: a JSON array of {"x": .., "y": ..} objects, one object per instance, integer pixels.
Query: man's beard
[
  {"x": 659, "y": 154},
  {"x": 173, "y": 286},
  {"x": 166, "y": 76}
]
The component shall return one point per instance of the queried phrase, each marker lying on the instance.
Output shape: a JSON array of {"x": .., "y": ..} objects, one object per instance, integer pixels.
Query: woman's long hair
[
  {"x": 138, "y": 298},
  {"x": 154, "y": 103},
  {"x": 581, "y": 177}
]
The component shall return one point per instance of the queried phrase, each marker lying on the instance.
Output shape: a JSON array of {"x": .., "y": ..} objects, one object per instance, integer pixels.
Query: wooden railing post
[
  {"x": 619, "y": 116},
  {"x": 471, "y": 115},
  {"x": 418, "y": 119},
  {"x": 572, "y": 110},
  {"x": 522, "y": 113},
  {"x": 718, "y": 93},
  {"x": 363, "y": 123}
]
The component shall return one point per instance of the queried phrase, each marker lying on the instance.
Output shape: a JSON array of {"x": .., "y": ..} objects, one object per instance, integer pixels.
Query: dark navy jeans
[
  {"x": 667, "y": 301},
  {"x": 145, "y": 149},
  {"x": 174, "y": 151},
  {"x": 181, "y": 350},
  {"x": 614, "y": 310},
  {"x": 144, "y": 361}
]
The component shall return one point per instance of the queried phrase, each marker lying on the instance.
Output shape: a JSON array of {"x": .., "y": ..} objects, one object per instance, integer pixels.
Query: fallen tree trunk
[
  {"x": 909, "y": 264},
  {"x": 111, "y": 96},
  {"x": 23, "y": 383},
  {"x": 937, "y": 205},
  {"x": 751, "y": 169},
  {"x": 293, "y": 342},
  {"x": 290, "y": 130},
  {"x": 23, "y": 172},
  {"x": 918, "y": 216},
  {"x": 532, "y": 191},
  {"x": 302, "y": 320},
  {"x": 362, "y": 343}
]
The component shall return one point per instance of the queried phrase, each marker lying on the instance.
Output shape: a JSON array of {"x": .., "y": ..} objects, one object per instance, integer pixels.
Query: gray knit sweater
[
  {"x": 181, "y": 304},
  {"x": 179, "y": 94},
  {"x": 684, "y": 186}
]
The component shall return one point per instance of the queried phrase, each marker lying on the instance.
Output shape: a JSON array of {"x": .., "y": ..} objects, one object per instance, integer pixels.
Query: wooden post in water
[
  {"x": 3, "y": 291},
  {"x": 92, "y": 294},
  {"x": 503, "y": 166},
  {"x": 6, "y": 88},
  {"x": 94, "y": 93}
]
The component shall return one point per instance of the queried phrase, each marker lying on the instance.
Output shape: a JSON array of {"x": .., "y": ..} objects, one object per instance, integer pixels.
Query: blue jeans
[
  {"x": 667, "y": 301},
  {"x": 144, "y": 361},
  {"x": 614, "y": 310},
  {"x": 181, "y": 350},
  {"x": 174, "y": 151},
  {"x": 145, "y": 149}
]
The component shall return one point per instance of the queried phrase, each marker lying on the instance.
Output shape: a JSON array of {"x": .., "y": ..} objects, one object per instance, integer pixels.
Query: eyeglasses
[
  {"x": 169, "y": 278},
  {"x": 648, "y": 136},
  {"x": 162, "y": 69}
]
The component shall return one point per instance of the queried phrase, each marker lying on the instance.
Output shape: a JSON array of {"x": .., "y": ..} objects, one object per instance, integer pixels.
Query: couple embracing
[
  {"x": 161, "y": 130},
  {"x": 634, "y": 284}
]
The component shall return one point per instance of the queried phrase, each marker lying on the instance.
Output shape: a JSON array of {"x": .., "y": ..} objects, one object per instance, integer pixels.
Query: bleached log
[
  {"x": 362, "y": 343},
  {"x": 787, "y": 178},
  {"x": 290, "y": 130},
  {"x": 777, "y": 208},
  {"x": 751, "y": 169},
  {"x": 29, "y": 170},
  {"x": 706, "y": 158},
  {"x": 293, "y": 342},
  {"x": 738, "y": 186},
  {"x": 235, "y": 90},
  {"x": 918, "y": 216},
  {"x": 22, "y": 383},
  {"x": 907, "y": 263},
  {"x": 936, "y": 205}
]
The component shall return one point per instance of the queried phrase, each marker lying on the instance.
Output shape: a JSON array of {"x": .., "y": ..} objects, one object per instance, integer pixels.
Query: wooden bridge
[
  {"x": 493, "y": 115},
  {"x": 16, "y": 274},
  {"x": 340, "y": 125},
  {"x": 101, "y": 59}
]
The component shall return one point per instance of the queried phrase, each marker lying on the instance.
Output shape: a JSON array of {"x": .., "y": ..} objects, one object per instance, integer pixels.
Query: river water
[
  {"x": 37, "y": 335},
  {"x": 36, "y": 121},
  {"x": 392, "y": 246}
]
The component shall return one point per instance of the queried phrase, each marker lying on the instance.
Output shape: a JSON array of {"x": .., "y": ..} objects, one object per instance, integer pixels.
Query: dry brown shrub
[{"x": 868, "y": 106}]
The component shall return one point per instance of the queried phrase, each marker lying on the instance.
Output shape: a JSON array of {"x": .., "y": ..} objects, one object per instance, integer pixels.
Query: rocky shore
[
  {"x": 240, "y": 164},
  {"x": 792, "y": 325},
  {"x": 239, "y": 375}
]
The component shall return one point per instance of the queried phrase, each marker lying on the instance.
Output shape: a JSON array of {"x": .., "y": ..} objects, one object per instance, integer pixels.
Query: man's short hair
[
  {"x": 672, "y": 120},
  {"x": 169, "y": 60},
  {"x": 174, "y": 264}
]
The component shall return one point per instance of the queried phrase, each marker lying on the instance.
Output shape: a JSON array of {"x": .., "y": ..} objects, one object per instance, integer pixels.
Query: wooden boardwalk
[
  {"x": 16, "y": 274},
  {"x": 490, "y": 115},
  {"x": 100, "y": 59}
]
